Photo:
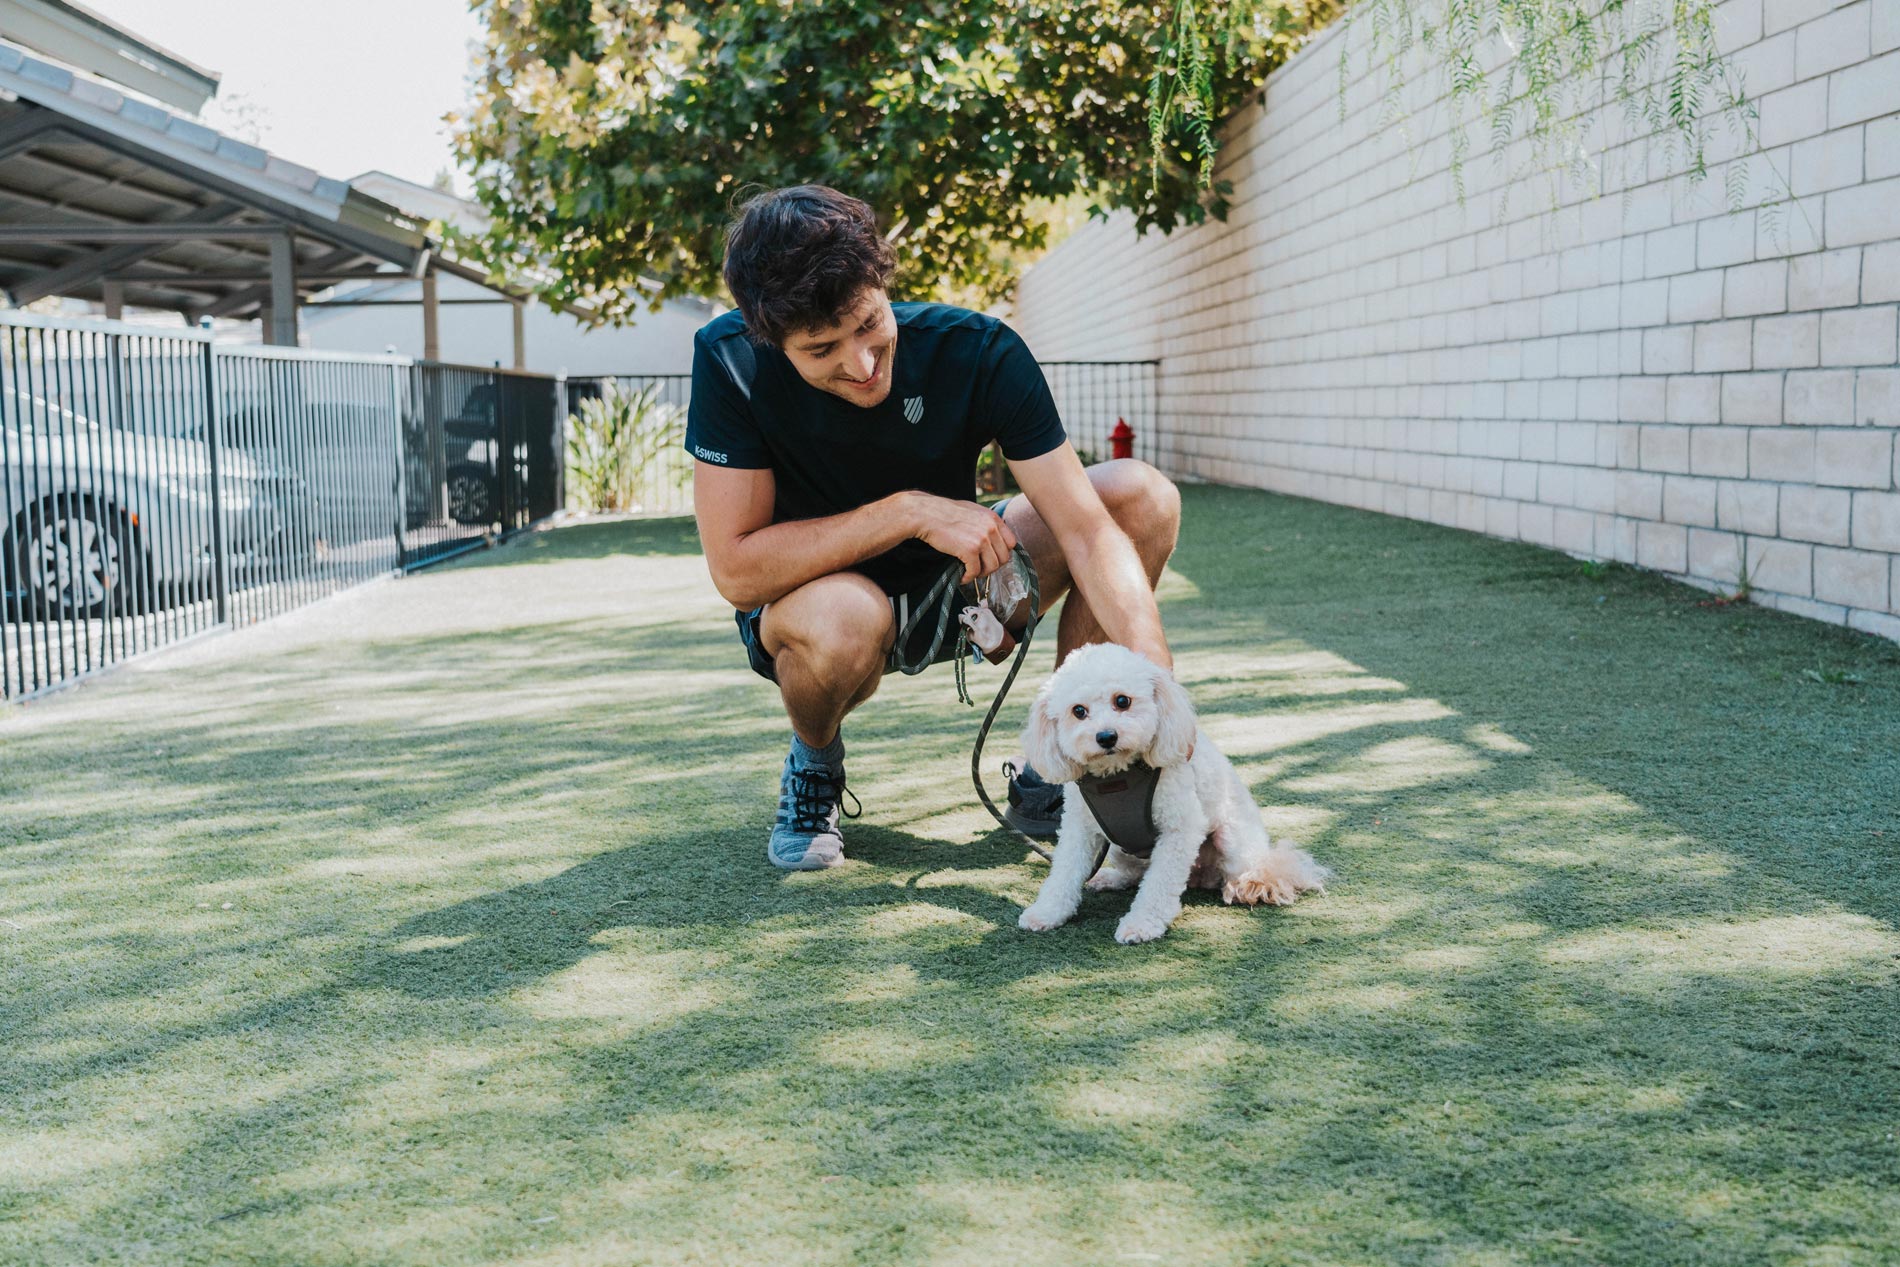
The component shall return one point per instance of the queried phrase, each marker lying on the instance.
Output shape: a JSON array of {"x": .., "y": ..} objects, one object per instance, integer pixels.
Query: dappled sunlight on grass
[
  {"x": 1785, "y": 947},
  {"x": 1608, "y": 971}
]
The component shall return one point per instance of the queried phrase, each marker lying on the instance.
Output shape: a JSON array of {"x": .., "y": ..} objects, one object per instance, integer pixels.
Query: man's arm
[
  {"x": 755, "y": 561},
  {"x": 1102, "y": 561}
]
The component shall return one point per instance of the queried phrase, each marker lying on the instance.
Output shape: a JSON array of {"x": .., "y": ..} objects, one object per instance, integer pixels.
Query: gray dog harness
[{"x": 1123, "y": 805}]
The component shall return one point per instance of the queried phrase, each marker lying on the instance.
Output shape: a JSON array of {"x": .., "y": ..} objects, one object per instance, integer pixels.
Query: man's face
[{"x": 852, "y": 360}]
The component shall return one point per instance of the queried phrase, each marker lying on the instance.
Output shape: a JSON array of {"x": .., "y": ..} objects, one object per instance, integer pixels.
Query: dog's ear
[
  {"x": 1042, "y": 746},
  {"x": 1174, "y": 722}
]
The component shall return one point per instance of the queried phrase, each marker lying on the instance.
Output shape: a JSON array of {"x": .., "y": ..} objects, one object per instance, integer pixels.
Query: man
[{"x": 836, "y": 437}]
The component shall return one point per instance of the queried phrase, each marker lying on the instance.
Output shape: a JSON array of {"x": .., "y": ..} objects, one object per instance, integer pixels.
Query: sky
[{"x": 343, "y": 86}]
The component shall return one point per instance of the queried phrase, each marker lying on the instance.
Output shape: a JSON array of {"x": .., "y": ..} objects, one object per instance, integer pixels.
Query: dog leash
[{"x": 938, "y": 600}]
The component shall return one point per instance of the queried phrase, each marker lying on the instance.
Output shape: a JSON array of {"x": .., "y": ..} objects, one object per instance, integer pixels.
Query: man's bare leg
[
  {"x": 827, "y": 640},
  {"x": 1143, "y": 502}
]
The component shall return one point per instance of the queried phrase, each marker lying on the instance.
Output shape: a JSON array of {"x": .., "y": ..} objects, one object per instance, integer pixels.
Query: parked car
[{"x": 99, "y": 520}]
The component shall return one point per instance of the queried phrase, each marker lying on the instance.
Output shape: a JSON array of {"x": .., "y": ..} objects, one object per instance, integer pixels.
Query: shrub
[{"x": 623, "y": 444}]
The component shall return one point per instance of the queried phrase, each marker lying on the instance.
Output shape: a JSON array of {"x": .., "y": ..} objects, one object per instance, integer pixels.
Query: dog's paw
[
  {"x": 1135, "y": 929},
  {"x": 1108, "y": 879},
  {"x": 1256, "y": 888},
  {"x": 1040, "y": 919}
]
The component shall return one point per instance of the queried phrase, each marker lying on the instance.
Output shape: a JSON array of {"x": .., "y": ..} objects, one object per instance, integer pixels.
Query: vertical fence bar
[{"x": 220, "y": 557}]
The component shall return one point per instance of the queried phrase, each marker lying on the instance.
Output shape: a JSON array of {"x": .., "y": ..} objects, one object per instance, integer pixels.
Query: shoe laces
[{"x": 813, "y": 792}]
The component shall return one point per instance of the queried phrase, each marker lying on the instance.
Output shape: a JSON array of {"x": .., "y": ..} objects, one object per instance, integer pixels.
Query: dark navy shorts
[{"x": 903, "y": 606}]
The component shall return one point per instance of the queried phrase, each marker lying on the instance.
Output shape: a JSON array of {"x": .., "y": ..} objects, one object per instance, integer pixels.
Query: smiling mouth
[{"x": 863, "y": 383}]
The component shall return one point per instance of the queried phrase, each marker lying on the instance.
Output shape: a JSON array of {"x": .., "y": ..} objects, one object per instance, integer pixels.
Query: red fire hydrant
[{"x": 1121, "y": 441}]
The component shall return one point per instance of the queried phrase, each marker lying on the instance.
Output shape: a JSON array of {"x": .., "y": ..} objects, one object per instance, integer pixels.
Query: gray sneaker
[
  {"x": 1035, "y": 805},
  {"x": 805, "y": 834}
]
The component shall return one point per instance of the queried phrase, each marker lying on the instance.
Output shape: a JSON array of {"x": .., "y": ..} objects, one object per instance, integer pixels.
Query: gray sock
[{"x": 831, "y": 756}]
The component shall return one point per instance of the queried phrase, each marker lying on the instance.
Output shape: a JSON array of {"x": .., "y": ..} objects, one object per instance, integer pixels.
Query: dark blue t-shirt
[{"x": 960, "y": 380}]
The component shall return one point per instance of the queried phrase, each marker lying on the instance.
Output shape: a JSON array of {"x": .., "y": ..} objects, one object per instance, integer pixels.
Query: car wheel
[
  {"x": 471, "y": 492},
  {"x": 79, "y": 558}
]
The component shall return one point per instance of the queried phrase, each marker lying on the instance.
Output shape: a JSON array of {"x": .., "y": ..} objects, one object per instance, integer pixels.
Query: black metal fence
[{"x": 155, "y": 486}]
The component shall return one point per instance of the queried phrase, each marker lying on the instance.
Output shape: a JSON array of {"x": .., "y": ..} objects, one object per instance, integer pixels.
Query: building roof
[{"x": 98, "y": 186}]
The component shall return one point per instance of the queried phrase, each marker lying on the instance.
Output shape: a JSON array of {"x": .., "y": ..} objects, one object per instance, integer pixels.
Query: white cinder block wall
[{"x": 1646, "y": 378}]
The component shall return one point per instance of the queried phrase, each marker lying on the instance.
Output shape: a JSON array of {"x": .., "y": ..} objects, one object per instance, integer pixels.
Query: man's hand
[{"x": 974, "y": 534}]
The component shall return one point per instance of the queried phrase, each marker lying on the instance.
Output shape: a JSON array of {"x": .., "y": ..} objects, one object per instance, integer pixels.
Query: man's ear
[
  {"x": 1042, "y": 745},
  {"x": 1174, "y": 724}
]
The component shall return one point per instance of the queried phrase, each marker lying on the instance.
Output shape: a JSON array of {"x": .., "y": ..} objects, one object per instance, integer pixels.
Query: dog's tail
[{"x": 1278, "y": 878}]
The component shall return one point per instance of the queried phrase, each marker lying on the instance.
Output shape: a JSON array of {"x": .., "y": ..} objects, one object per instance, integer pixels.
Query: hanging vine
[{"x": 1543, "y": 71}]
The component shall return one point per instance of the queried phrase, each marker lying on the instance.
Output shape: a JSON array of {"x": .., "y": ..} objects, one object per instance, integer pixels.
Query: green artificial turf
[{"x": 432, "y": 925}]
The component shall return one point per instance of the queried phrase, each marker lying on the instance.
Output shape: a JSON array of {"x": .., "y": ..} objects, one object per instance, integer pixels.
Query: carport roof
[{"x": 97, "y": 186}]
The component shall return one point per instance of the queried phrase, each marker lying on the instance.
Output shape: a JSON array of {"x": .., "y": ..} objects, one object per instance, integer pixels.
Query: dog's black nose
[{"x": 1107, "y": 739}]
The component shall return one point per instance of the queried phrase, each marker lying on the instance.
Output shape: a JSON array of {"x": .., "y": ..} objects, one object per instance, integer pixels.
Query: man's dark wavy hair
[{"x": 796, "y": 258}]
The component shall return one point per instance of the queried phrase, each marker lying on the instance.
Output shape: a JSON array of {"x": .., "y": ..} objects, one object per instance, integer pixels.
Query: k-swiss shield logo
[{"x": 913, "y": 408}]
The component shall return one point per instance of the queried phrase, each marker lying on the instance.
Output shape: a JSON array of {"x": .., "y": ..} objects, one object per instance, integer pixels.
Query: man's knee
[
  {"x": 1143, "y": 501},
  {"x": 835, "y": 630}
]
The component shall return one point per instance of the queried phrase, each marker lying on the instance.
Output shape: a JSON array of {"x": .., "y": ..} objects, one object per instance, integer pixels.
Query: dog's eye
[
  {"x": 1121, "y": 703},
  {"x": 1081, "y": 712}
]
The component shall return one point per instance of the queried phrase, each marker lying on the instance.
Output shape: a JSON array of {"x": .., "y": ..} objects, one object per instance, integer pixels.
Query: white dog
[{"x": 1103, "y": 711}]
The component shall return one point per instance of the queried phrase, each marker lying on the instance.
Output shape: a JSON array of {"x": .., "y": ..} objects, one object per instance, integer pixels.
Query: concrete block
[
  {"x": 1724, "y": 239},
  {"x": 1781, "y": 454},
  {"x": 1695, "y": 297},
  {"x": 1557, "y": 399},
  {"x": 1694, "y": 398},
  {"x": 1687, "y": 500},
  {"x": 1886, "y": 26},
  {"x": 1826, "y": 279},
  {"x": 1877, "y": 398},
  {"x": 1880, "y": 624},
  {"x": 1876, "y": 521},
  {"x": 1716, "y": 556},
  {"x": 1852, "y": 578},
  {"x": 1786, "y": 567},
  {"x": 1752, "y": 399},
  {"x": 1642, "y": 400},
  {"x": 1860, "y": 336},
  {"x": 1595, "y": 489},
  {"x": 1747, "y": 506},
  {"x": 1752, "y": 289},
  {"x": 1669, "y": 350},
  {"x": 1862, "y": 92},
  {"x": 1638, "y": 496},
  {"x": 1723, "y": 345},
  {"x": 1841, "y": 38},
  {"x": 1576, "y": 443},
  {"x": 1788, "y": 342},
  {"x": 1782, "y": 15},
  {"x": 1819, "y": 398},
  {"x": 1718, "y": 451},
  {"x": 1833, "y": 160},
  {"x": 1863, "y": 214},
  {"x": 1883, "y": 142},
  {"x": 1880, "y": 276},
  {"x": 1860, "y": 458},
  {"x": 1815, "y": 514},
  {"x": 1794, "y": 113},
  {"x": 1573, "y": 530},
  {"x": 1668, "y": 252},
  {"x": 1644, "y": 303},
  {"x": 1663, "y": 547},
  {"x": 1596, "y": 397},
  {"x": 1665, "y": 449},
  {"x": 1556, "y": 485}
]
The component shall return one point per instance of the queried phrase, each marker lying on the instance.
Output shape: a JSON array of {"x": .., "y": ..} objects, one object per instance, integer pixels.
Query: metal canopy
[{"x": 109, "y": 198}]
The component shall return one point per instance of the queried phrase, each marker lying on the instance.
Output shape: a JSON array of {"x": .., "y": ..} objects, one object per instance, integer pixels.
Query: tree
[{"x": 609, "y": 141}]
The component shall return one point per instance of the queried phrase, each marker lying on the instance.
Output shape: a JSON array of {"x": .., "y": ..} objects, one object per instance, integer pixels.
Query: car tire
[
  {"x": 471, "y": 495},
  {"x": 113, "y": 576}
]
